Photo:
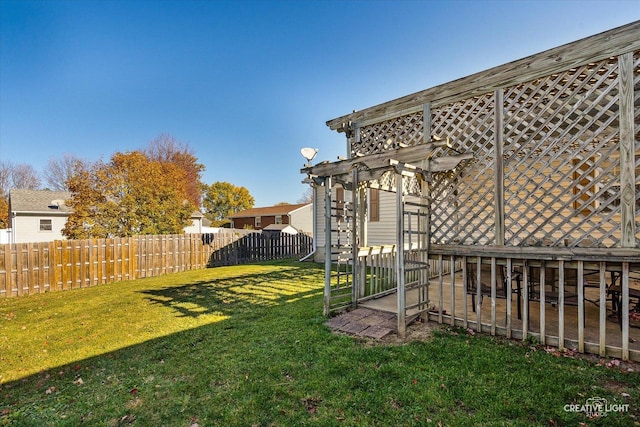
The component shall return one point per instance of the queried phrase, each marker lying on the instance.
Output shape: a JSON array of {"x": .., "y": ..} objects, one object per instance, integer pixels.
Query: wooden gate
[{"x": 339, "y": 250}]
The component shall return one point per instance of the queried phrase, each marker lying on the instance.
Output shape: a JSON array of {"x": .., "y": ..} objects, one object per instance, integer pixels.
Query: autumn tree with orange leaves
[
  {"x": 132, "y": 194},
  {"x": 167, "y": 149}
]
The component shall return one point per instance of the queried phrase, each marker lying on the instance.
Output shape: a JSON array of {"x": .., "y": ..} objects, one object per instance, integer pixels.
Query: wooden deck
[{"x": 613, "y": 335}]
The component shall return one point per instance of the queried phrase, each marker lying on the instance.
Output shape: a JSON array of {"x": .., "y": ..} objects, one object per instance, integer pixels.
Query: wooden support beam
[
  {"x": 426, "y": 122},
  {"x": 627, "y": 153},
  {"x": 373, "y": 166},
  {"x": 327, "y": 246},
  {"x": 411, "y": 154},
  {"x": 402, "y": 325},
  {"x": 355, "y": 278},
  {"x": 499, "y": 165}
]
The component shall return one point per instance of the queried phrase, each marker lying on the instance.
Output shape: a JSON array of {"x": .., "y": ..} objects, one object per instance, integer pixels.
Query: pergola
[{"x": 532, "y": 163}]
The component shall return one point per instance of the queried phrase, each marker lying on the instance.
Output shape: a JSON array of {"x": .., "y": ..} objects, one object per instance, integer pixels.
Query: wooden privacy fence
[
  {"x": 31, "y": 268},
  {"x": 262, "y": 247}
]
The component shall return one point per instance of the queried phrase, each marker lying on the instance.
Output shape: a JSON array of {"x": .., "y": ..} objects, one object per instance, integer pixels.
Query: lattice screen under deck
[
  {"x": 561, "y": 159},
  {"x": 463, "y": 210}
]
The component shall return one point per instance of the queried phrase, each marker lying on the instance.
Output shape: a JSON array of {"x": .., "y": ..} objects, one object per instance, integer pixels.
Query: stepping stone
[{"x": 376, "y": 332}]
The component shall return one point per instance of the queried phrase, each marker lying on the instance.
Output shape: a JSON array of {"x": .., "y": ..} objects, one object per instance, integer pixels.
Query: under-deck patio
[{"x": 465, "y": 316}]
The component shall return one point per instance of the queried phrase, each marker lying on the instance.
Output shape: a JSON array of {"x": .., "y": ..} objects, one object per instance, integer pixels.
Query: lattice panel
[
  {"x": 387, "y": 182},
  {"x": 389, "y": 134},
  {"x": 463, "y": 199},
  {"x": 561, "y": 159}
]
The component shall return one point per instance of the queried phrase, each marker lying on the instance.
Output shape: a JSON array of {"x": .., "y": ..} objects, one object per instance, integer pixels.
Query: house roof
[
  {"x": 47, "y": 201},
  {"x": 39, "y": 201},
  {"x": 268, "y": 211},
  {"x": 279, "y": 227}
]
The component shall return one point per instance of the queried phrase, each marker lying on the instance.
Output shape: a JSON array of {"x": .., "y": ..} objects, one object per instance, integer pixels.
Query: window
[
  {"x": 278, "y": 219},
  {"x": 258, "y": 222},
  {"x": 374, "y": 205},
  {"x": 45, "y": 225}
]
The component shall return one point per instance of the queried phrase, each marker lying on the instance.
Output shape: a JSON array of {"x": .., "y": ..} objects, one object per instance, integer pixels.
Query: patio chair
[
  {"x": 552, "y": 295},
  {"x": 503, "y": 289},
  {"x": 615, "y": 292}
]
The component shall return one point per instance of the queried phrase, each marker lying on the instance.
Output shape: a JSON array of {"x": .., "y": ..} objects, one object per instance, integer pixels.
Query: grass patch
[{"x": 247, "y": 346}]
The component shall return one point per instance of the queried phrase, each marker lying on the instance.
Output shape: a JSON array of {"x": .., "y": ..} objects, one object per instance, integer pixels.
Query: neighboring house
[
  {"x": 298, "y": 216},
  {"x": 197, "y": 223},
  {"x": 40, "y": 216},
  {"x": 37, "y": 215}
]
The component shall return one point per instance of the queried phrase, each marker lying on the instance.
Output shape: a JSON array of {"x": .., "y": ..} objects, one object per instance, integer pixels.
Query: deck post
[
  {"x": 465, "y": 290},
  {"x": 425, "y": 190},
  {"x": 627, "y": 152},
  {"x": 355, "y": 273},
  {"x": 561, "y": 305},
  {"x": 493, "y": 295},
  {"x": 402, "y": 325},
  {"x": 602, "y": 285},
  {"x": 543, "y": 298},
  {"x": 625, "y": 310},
  {"x": 361, "y": 228},
  {"x": 478, "y": 294},
  {"x": 327, "y": 245},
  {"x": 499, "y": 165},
  {"x": 581, "y": 321}
]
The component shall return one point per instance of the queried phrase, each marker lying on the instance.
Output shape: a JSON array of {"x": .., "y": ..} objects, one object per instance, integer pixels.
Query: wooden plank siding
[{"x": 32, "y": 268}]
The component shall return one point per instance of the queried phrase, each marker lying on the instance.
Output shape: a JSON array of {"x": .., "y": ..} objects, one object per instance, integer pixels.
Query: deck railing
[
  {"x": 378, "y": 273},
  {"x": 563, "y": 297}
]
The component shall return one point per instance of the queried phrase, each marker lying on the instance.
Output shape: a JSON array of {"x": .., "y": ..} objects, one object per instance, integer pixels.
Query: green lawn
[{"x": 247, "y": 346}]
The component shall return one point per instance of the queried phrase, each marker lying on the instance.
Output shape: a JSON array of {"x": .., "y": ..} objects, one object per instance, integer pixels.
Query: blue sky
[{"x": 248, "y": 83}]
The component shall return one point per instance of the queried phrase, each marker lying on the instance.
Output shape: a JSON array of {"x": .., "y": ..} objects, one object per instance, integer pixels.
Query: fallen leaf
[
  {"x": 134, "y": 391},
  {"x": 311, "y": 404},
  {"x": 78, "y": 381},
  {"x": 128, "y": 419}
]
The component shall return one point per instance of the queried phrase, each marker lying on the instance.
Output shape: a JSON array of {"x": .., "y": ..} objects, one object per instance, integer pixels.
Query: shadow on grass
[
  {"x": 230, "y": 295},
  {"x": 182, "y": 378},
  {"x": 237, "y": 295}
]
